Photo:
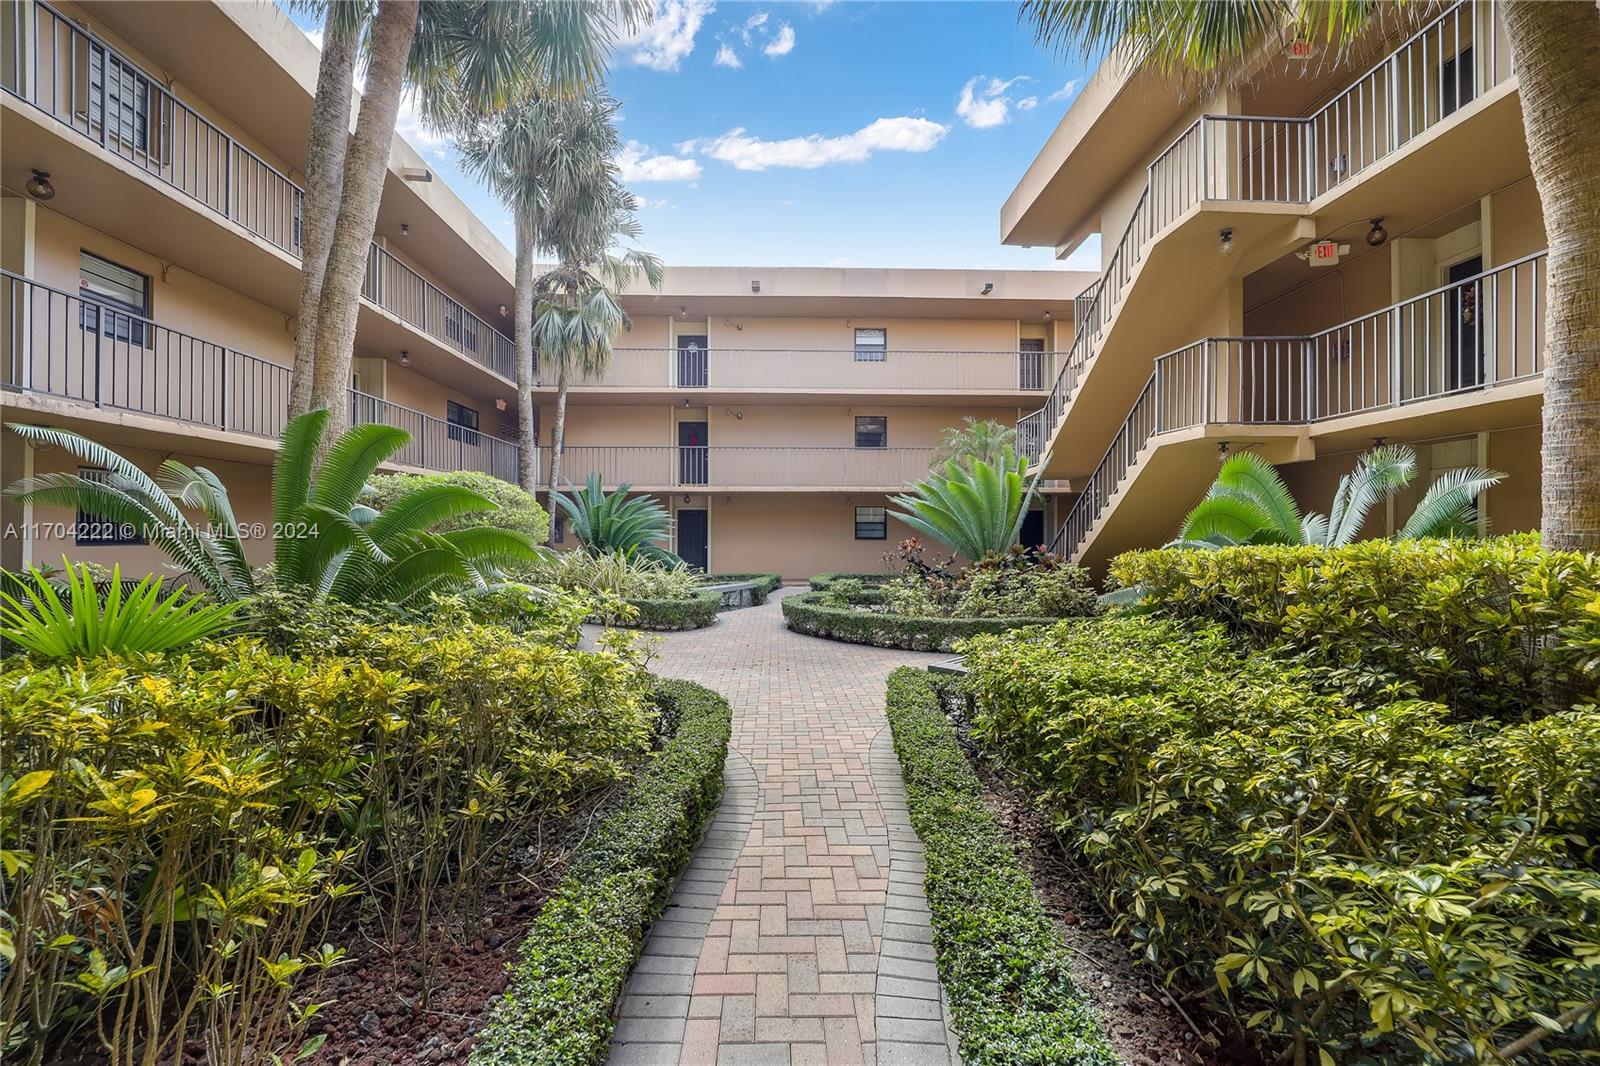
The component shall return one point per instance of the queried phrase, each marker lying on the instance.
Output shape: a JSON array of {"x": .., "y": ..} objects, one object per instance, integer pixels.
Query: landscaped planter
[
  {"x": 822, "y": 581},
  {"x": 805, "y": 614},
  {"x": 696, "y": 612},
  {"x": 766, "y": 584}
]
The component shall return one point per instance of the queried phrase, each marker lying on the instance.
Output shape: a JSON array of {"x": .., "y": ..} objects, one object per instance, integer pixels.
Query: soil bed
[{"x": 1145, "y": 1027}]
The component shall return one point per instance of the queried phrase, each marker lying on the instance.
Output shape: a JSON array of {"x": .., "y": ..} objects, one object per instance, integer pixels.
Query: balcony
[
  {"x": 1428, "y": 366},
  {"x": 672, "y": 468},
  {"x": 57, "y": 344},
  {"x": 1393, "y": 143},
  {"x": 69, "y": 75},
  {"x": 994, "y": 375}
]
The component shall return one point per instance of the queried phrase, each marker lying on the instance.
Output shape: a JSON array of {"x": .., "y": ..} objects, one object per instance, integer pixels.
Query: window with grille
[
  {"x": 872, "y": 345},
  {"x": 872, "y": 431},
  {"x": 872, "y": 523},
  {"x": 116, "y": 300},
  {"x": 93, "y": 529}
]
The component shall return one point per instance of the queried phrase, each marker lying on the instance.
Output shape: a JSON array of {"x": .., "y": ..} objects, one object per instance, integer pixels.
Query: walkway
[{"x": 799, "y": 934}]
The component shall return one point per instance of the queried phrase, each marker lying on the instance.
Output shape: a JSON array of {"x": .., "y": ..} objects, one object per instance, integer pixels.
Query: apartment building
[
  {"x": 150, "y": 204},
  {"x": 1345, "y": 249}
]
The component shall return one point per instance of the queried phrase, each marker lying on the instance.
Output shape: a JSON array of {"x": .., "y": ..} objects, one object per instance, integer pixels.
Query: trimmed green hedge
[
  {"x": 805, "y": 614},
  {"x": 557, "y": 1009},
  {"x": 766, "y": 584},
  {"x": 696, "y": 612},
  {"x": 822, "y": 581},
  {"x": 1010, "y": 986}
]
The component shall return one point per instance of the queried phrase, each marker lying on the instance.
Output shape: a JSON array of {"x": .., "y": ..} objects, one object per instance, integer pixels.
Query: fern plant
[
  {"x": 608, "y": 523},
  {"x": 86, "y": 624},
  {"x": 326, "y": 542},
  {"x": 974, "y": 509}
]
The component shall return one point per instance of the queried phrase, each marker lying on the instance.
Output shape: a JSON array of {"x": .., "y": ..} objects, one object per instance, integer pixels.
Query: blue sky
[{"x": 825, "y": 134}]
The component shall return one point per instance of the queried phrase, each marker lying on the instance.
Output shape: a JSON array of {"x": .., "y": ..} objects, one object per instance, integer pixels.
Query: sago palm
[
  {"x": 328, "y": 545},
  {"x": 974, "y": 510},
  {"x": 1553, "y": 48},
  {"x": 609, "y": 523},
  {"x": 1249, "y": 503}
]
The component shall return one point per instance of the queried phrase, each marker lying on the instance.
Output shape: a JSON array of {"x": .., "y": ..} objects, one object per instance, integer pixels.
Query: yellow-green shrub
[
  {"x": 1486, "y": 626},
  {"x": 176, "y": 829},
  {"x": 1375, "y": 884}
]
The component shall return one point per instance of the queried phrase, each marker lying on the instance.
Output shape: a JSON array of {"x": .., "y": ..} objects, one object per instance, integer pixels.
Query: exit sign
[
  {"x": 1326, "y": 253},
  {"x": 1301, "y": 50}
]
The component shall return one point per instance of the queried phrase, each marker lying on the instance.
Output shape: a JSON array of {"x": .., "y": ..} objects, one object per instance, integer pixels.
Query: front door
[
  {"x": 692, "y": 454},
  {"x": 693, "y": 542},
  {"x": 1030, "y": 364},
  {"x": 692, "y": 369},
  {"x": 1032, "y": 535},
  {"x": 1465, "y": 325}
]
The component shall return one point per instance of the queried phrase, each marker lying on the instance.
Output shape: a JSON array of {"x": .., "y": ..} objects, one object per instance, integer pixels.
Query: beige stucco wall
[{"x": 795, "y": 535}]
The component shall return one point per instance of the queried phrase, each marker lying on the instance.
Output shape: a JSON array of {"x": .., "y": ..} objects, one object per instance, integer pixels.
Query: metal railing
[
  {"x": 823, "y": 370},
  {"x": 1468, "y": 336},
  {"x": 69, "y": 73},
  {"x": 718, "y": 467},
  {"x": 437, "y": 444},
  {"x": 1445, "y": 65},
  {"x": 59, "y": 344}
]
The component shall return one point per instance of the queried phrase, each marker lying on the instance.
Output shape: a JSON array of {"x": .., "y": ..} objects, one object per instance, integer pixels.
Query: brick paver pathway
[{"x": 799, "y": 934}]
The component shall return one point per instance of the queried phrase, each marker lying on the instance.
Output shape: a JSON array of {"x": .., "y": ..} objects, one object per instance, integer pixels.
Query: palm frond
[{"x": 1449, "y": 507}]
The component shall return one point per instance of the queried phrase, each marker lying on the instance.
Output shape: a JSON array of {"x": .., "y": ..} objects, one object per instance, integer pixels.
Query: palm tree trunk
[
  {"x": 393, "y": 28},
  {"x": 1553, "y": 47},
  {"x": 527, "y": 431},
  {"x": 558, "y": 438},
  {"x": 325, "y": 150}
]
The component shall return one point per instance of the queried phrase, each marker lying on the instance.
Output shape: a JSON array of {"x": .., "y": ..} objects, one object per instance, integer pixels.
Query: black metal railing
[{"x": 58, "y": 343}]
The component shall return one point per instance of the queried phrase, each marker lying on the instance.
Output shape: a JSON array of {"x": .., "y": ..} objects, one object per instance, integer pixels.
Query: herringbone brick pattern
[{"x": 799, "y": 934}]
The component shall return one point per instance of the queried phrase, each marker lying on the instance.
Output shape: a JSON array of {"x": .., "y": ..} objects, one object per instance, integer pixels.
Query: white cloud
[
  {"x": 1069, "y": 89},
  {"x": 727, "y": 57},
  {"x": 1027, "y": 103},
  {"x": 982, "y": 106},
  {"x": 781, "y": 44},
  {"x": 669, "y": 37},
  {"x": 636, "y": 164},
  {"x": 752, "y": 24},
  {"x": 645, "y": 201},
  {"x": 743, "y": 152},
  {"x": 417, "y": 133}
]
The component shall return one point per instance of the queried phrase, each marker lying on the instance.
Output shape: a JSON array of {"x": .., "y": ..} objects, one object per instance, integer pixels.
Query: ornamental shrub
[
  {"x": 516, "y": 508},
  {"x": 176, "y": 830},
  {"x": 1381, "y": 882},
  {"x": 1497, "y": 626}
]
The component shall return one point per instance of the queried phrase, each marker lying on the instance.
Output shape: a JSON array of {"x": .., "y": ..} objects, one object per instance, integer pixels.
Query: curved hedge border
[
  {"x": 805, "y": 615},
  {"x": 697, "y": 612},
  {"x": 766, "y": 584},
  {"x": 822, "y": 581},
  {"x": 1011, "y": 993},
  {"x": 557, "y": 1007}
]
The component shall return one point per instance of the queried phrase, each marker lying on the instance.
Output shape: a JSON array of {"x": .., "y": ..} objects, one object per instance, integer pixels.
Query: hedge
[
  {"x": 557, "y": 1008},
  {"x": 805, "y": 614},
  {"x": 696, "y": 612},
  {"x": 1492, "y": 626},
  {"x": 766, "y": 584},
  {"x": 1379, "y": 883},
  {"x": 822, "y": 581},
  {"x": 1010, "y": 987}
]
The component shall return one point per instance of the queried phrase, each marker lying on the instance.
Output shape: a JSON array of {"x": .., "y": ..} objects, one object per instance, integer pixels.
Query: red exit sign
[
  {"x": 1326, "y": 253},
  {"x": 1301, "y": 50}
]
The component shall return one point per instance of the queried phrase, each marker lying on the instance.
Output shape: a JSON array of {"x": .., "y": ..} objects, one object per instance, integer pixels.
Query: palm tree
[
  {"x": 327, "y": 544},
  {"x": 1249, "y": 503},
  {"x": 1553, "y": 45},
  {"x": 974, "y": 510},
  {"x": 460, "y": 56},
  {"x": 975, "y": 440},
  {"x": 609, "y": 523}
]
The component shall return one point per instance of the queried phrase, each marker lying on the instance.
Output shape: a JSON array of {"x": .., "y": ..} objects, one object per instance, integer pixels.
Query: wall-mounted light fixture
[
  {"x": 405, "y": 229},
  {"x": 1225, "y": 241},
  {"x": 988, "y": 287},
  {"x": 755, "y": 286},
  {"x": 503, "y": 310},
  {"x": 1377, "y": 234},
  {"x": 39, "y": 186},
  {"x": 1047, "y": 316},
  {"x": 416, "y": 174},
  {"x": 405, "y": 357}
]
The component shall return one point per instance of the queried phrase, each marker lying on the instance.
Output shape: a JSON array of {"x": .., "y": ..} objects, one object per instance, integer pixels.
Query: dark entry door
[
  {"x": 692, "y": 369},
  {"x": 1032, "y": 530},
  {"x": 692, "y": 453},
  {"x": 693, "y": 542},
  {"x": 1030, "y": 364},
  {"x": 1465, "y": 324}
]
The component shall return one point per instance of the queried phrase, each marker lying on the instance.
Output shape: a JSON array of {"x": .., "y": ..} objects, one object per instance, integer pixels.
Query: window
[
  {"x": 1456, "y": 82},
  {"x": 126, "y": 93},
  {"x": 558, "y": 528},
  {"x": 872, "y": 523},
  {"x": 872, "y": 431},
  {"x": 92, "y": 529},
  {"x": 463, "y": 422},
  {"x": 460, "y": 326},
  {"x": 121, "y": 295},
  {"x": 872, "y": 345}
]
